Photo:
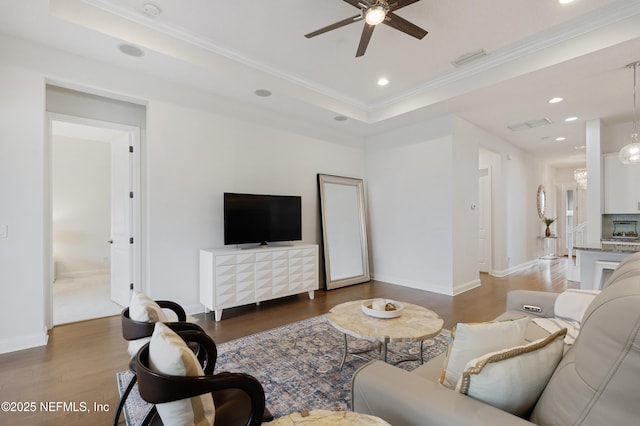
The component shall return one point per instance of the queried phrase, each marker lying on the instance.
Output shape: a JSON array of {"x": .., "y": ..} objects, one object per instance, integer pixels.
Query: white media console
[{"x": 232, "y": 277}]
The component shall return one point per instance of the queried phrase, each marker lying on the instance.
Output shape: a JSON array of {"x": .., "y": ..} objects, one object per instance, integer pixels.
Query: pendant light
[{"x": 630, "y": 153}]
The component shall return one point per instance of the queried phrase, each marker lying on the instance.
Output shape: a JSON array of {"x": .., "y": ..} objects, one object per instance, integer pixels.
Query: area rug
[{"x": 298, "y": 365}]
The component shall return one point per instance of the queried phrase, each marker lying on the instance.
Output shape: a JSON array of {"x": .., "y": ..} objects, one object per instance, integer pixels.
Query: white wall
[
  {"x": 466, "y": 217},
  {"x": 22, "y": 161},
  {"x": 194, "y": 156},
  {"x": 196, "y": 147},
  {"x": 423, "y": 180},
  {"x": 81, "y": 203},
  {"x": 193, "y": 152},
  {"x": 410, "y": 192},
  {"x": 515, "y": 179}
]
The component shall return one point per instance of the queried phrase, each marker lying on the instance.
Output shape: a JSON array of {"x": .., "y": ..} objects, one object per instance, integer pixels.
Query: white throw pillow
[
  {"x": 513, "y": 379},
  {"x": 144, "y": 309},
  {"x": 169, "y": 354},
  {"x": 469, "y": 341}
]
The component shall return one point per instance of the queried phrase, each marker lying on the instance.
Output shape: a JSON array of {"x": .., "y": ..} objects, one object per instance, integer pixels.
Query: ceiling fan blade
[
  {"x": 364, "y": 39},
  {"x": 399, "y": 4},
  {"x": 405, "y": 26},
  {"x": 334, "y": 26}
]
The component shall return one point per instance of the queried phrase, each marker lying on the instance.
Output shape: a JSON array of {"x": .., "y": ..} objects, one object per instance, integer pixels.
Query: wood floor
[{"x": 77, "y": 369}]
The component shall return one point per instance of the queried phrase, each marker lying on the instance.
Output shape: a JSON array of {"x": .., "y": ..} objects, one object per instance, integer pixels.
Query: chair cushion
[
  {"x": 144, "y": 309},
  {"x": 513, "y": 379},
  {"x": 169, "y": 354},
  {"x": 469, "y": 341}
]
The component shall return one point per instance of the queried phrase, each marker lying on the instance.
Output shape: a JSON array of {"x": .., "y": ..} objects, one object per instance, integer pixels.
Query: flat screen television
[{"x": 254, "y": 218}]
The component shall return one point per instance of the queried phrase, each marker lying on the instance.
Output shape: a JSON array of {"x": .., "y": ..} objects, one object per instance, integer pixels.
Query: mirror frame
[
  {"x": 541, "y": 201},
  {"x": 328, "y": 223}
]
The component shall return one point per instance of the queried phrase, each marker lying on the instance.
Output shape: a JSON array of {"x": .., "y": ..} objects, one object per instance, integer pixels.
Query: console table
[
  {"x": 547, "y": 247},
  {"x": 232, "y": 277}
]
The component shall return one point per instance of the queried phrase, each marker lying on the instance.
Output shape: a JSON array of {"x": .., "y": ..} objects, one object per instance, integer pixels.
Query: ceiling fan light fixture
[
  {"x": 630, "y": 153},
  {"x": 375, "y": 14}
]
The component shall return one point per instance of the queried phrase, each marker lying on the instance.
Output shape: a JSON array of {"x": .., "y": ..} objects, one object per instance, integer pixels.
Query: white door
[
  {"x": 121, "y": 220},
  {"x": 484, "y": 222},
  {"x": 574, "y": 217}
]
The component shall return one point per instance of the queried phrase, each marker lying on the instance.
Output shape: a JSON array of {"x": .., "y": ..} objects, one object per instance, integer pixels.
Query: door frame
[
  {"x": 135, "y": 265},
  {"x": 485, "y": 209}
]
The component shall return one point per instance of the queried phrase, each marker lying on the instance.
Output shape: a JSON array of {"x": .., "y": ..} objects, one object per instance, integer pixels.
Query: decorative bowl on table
[{"x": 382, "y": 308}]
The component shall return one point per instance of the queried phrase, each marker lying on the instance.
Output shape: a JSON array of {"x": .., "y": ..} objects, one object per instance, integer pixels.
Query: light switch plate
[{"x": 4, "y": 231}]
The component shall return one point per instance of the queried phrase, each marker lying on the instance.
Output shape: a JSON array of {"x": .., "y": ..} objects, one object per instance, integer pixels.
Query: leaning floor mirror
[{"x": 344, "y": 230}]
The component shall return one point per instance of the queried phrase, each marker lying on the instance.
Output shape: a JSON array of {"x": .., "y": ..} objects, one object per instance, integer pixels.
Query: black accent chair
[
  {"x": 239, "y": 398},
  {"x": 134, "y": 330}
]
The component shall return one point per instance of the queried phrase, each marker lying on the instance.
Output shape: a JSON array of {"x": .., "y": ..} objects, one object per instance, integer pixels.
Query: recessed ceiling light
[
  {"x": 263, "y": 93},
  {"x": 340, "y": 118},
  {"x": 383, "y": 81},
  {"x": 580, "y": 147},
  {"x": 569, "y": 119},
  {"x": 555, "y": 100},
  {"x": 561, "y": 138},
  {"x": 131, "y": 50},
  {"x": 565, "y": 1},
  {"x": 151, "y": 9}
]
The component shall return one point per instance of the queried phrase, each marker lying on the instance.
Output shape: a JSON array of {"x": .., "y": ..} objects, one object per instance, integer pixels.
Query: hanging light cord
[{"x": 635, "y": 130}]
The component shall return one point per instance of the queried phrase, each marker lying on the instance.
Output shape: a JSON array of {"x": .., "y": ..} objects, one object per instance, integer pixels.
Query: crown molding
[{"x": 595, "y": 20}]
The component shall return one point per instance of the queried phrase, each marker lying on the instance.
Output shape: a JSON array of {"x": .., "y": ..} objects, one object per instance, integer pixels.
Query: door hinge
[
  {"x": 131, "y": 194},
  {"x": 131, "y": 286},
  {"x": 131, "y": 240},
  {"x": 130, "y": 148}
]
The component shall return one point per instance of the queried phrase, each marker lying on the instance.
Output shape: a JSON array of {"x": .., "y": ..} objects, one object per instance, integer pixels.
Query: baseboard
[
  {"x": 13, "y": 344},
  {"x": 511, "y": 270},
  {"x": 196, "y": 308},
  {"x": 418, "y": 285},
  {"x": 461, "y": 288}
]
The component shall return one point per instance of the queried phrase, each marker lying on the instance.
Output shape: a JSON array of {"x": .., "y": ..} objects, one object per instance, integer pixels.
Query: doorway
[
  {"x": 573, "y": 222},
  {"x": 485, "y": 249},
  {"x": 94, "y": 217}
]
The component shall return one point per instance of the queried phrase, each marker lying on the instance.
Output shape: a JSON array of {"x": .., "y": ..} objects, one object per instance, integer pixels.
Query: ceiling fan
[{"x": 375, "y": 12}]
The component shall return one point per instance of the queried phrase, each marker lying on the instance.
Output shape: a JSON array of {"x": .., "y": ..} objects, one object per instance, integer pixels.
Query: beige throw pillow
[
  {"x": 469, "y": 341},
  {"x": 513, "y": 379},
  {"x": 169, "y": 354},
  {"x": 144, "y": 309}
]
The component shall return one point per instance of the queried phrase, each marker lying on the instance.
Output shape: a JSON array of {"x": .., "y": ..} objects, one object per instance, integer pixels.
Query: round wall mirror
[{"x": 542, "y": 201}]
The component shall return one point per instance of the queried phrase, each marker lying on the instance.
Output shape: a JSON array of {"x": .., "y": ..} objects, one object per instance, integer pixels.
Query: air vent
[
  {"x": 531, "y": 124},
  {"x": 468, "y": 57}
]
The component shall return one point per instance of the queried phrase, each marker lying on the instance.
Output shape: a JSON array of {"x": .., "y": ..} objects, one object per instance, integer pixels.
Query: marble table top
[
  {"x": 325, "y": 417},
  {"x": 611, "y": 246},
  {"x": 415, "y": 323}
]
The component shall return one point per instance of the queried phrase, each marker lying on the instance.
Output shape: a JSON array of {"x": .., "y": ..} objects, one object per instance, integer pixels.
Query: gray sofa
[{"x": 597, "y": 382}]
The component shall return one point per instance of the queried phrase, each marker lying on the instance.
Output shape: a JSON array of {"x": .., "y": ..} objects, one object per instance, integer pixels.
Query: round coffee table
[
  {"x": 415, "y": 324},
  {"x": 325, "y": 417}
]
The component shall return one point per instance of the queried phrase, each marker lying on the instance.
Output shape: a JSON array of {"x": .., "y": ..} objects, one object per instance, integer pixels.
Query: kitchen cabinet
[{"x": 621, "y": 186}]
